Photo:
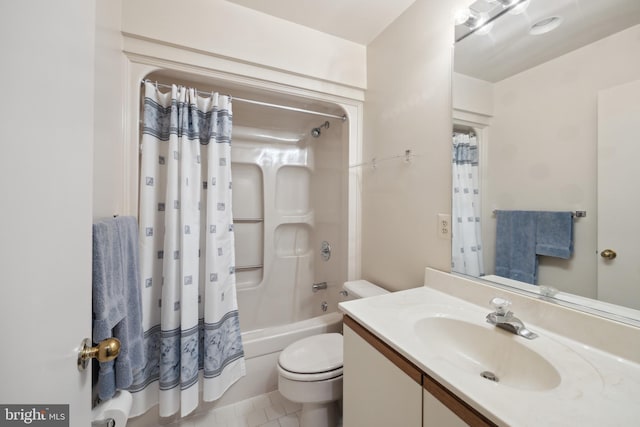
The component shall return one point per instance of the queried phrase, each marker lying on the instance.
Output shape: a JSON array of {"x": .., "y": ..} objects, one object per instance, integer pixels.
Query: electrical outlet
[{"x": 444, "y": 226}]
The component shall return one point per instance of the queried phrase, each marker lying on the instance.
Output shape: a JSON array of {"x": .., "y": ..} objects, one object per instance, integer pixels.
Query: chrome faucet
[{"x": 504, "y": 319}]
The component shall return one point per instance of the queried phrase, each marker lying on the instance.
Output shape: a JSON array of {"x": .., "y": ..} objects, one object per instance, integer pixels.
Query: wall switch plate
[{"x": 444, "y": 226}]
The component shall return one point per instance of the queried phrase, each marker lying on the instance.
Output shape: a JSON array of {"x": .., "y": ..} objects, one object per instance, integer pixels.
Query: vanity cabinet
[
  {"x": 436, "y": 414},
  {"x": 376, "y": 391},
  {"x": 382, "y": 388}
]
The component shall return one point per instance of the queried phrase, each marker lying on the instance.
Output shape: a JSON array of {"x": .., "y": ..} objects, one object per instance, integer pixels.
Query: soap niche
[{"x": 292, "y": 240}]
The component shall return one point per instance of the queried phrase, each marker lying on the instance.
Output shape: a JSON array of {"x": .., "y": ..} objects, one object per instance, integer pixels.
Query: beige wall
[
  {"x": 408, "y": 106},
  {"x": 108, "y": 174},
  {"x": 231, "y": 31},
  {"x": 542, "y": 148}
]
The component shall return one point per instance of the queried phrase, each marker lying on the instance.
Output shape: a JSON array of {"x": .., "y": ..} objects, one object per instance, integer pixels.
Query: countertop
[{"x": 596, "y": 388}]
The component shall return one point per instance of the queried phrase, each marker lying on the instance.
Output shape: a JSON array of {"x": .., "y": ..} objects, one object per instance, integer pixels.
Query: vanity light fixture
[
  {"x": 470, "y": 18},
  {"x": 504, "y": 3},
  {"x": 462, "y": 16},
  {"x": 545, "y": 25},
  {"x": 516, "y": 7},
  {"x": 485, "y": 25}
]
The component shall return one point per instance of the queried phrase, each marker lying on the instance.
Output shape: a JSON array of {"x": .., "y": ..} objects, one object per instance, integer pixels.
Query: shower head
[{"x": 315, "y": 132}]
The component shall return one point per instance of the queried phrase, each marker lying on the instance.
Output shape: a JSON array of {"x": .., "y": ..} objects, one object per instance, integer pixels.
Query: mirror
[{"x": 536, "y": 90}]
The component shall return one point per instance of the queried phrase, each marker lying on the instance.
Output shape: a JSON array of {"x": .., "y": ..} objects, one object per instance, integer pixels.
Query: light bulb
[{"x": 461, "y": 16}]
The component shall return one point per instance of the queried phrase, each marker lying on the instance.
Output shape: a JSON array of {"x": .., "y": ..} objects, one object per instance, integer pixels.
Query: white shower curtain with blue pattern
[
  {"x": 190, "y": 314},
  {"x": 466, "y": 238}
]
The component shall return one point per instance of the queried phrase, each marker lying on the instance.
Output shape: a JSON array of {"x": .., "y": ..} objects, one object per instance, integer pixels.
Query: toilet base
[{"x": 319, "y": 414}]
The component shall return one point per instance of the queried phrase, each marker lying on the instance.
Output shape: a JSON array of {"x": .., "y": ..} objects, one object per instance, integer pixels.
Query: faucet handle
[{"x": 500, "y": 305}]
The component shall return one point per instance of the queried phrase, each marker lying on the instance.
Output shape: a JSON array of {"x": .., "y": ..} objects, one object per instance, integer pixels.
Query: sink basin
[{"x": 486, "y": 351}]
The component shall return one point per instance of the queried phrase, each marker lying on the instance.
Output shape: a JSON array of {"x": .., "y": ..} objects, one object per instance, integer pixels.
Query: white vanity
[{"x": 428, "y": 357}]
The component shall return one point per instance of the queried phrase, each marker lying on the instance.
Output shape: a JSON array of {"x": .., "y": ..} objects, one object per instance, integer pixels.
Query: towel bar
[{"x": 575, "y": 214}]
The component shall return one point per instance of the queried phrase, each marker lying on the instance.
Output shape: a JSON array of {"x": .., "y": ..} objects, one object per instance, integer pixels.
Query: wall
[
  {"x": 471, "y": 95},
  {"x": 408, "y": 106},
  {"x": 228, "y": 30},
  {"x": 542, "y": 147},
  {"x": 108, "y": 176}
]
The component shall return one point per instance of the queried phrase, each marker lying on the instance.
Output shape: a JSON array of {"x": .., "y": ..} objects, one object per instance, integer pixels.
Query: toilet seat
[
  {"x": 315, "y": 358},
  {"x": 318, "y": 376}
]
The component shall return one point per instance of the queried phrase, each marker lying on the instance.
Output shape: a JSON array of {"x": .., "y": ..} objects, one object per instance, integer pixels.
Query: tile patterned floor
[{"x": 267, "y": 410}]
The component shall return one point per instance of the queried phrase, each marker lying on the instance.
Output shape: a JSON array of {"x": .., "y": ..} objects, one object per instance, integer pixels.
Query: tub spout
[{"x": 317, "y": 286}]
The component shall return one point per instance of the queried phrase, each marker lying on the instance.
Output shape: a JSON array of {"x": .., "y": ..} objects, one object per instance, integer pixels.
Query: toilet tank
[{"x": 355, "y": 289}]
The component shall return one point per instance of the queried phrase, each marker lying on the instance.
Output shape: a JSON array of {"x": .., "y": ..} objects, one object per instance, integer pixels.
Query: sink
[{"x": 485, "y": 351}]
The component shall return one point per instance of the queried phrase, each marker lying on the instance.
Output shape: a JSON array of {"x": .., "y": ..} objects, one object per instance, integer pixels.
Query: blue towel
[
  {"x": 117, "y": 301},
  {"x": 523, "y": 235},
  {"x": 554, "y": 236},
  {"x": 516, "y": 245}
]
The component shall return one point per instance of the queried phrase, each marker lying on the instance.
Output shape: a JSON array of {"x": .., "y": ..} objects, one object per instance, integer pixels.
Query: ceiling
[
  {"x": 509, "y": 48},
  {"x": 360, "y": 21}
]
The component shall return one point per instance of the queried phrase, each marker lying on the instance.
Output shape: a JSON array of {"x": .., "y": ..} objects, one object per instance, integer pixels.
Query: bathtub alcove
[{"x": 290, "y": 194}]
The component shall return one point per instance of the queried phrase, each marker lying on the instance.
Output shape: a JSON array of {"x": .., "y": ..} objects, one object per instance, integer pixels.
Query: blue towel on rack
[
  {"x": 516, "y": 245},
  {"x": 523, "y": 235},
  {"x": 554, "y": 236},
  {"x": 117, "y": 301}
]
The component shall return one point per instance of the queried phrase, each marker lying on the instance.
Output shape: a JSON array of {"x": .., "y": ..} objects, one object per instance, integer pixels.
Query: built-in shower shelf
[
  {"x": 305, "y": 218},
  {"x": 248, "y": 220},
  {"x": 249, "y": 267}
]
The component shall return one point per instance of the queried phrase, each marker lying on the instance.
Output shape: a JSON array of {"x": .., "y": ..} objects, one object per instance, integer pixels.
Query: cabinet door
[
  {"x": 438, "y": 415},
  {"x": 377, "y": 393}
]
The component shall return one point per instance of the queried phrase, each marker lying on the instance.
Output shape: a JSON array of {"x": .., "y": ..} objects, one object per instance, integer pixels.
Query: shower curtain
[
  {"x": 466, "y": 242},
  {"x": 190, "y": 315}
]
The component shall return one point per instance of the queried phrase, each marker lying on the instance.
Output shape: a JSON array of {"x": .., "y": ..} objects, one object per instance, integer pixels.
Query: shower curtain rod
[{"x": 262, "y": 103}]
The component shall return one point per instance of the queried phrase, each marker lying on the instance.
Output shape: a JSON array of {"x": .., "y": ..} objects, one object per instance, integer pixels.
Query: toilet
[{"x": 310, "y": 369}]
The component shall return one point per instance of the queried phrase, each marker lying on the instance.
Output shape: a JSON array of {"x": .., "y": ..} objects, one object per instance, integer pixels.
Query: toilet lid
[{"x": 314, "y": 354}]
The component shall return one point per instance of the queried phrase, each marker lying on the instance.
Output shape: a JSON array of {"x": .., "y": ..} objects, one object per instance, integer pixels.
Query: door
[
  {"x": 46, "y": 137},
  {"x": 618, "y": 195}
]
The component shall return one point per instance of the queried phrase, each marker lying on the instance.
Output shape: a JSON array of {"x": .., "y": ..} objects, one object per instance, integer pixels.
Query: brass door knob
[
  {"x": 608, "y": 254},
  {"x": 105, "y": 351}
]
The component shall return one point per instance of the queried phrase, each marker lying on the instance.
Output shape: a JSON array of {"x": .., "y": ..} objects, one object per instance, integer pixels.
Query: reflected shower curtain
[
  {"x": 190, "y": 315},
  {"x": 466, "y": 242}
]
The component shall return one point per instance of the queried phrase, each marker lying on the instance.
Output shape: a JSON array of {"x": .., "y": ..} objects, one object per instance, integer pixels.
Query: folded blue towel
[
  {"x": 516, "y": 245},
  {"x": 554, "y": 235},
  {"x": 117, "y": 301}
]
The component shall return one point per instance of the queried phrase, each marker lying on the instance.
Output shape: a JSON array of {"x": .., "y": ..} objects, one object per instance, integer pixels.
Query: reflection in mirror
[{"x": 546, "y": 107}]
